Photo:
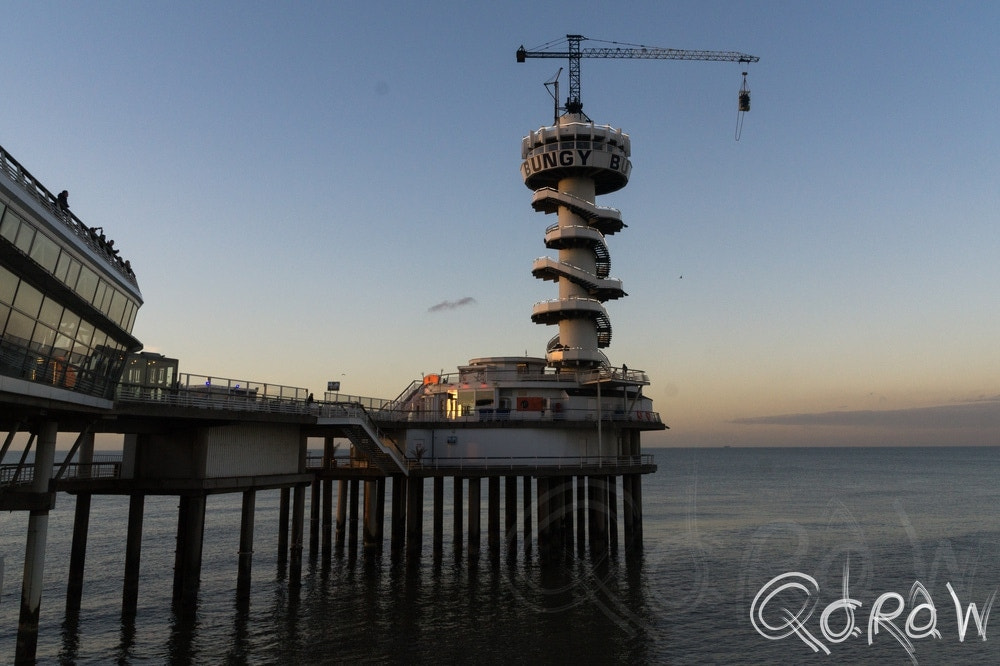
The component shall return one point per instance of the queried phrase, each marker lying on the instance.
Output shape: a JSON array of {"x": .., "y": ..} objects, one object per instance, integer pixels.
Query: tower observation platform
[{"x": 568, "y": 165}]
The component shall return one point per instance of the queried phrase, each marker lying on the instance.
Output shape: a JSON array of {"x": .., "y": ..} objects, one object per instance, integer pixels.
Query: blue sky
[{"x": 297, "y": 185}]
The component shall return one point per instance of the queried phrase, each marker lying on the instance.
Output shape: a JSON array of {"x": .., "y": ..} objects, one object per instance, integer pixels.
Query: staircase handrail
[{"x": 382, "y": 439}]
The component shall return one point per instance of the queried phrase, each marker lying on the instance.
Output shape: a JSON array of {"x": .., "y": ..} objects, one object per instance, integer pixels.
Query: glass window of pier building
[{"x": 70, "y": 338}]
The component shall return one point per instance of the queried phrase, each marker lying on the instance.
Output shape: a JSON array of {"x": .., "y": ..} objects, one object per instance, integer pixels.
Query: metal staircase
[{"x": 357, "y": 426}]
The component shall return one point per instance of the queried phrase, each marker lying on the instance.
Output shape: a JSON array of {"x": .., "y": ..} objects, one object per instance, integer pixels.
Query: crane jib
[{"x": 575, "y": 54}]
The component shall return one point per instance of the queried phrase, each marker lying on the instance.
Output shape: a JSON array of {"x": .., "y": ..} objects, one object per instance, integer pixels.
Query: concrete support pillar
[
  {"x": 510, "y": 514},
  {"x": 544, "y": 521},
  {"x": 342, "y": 486},
  {"x": 283, "y": 504},
  {"x": 598, "y": 516},
  {"x": 133, "y": 554},
  {"x": 398, "y": 515},
  {"x": 314, "y": 497},
  {"x": 438, "y": 540},
  {"x": 298, "y": 529},
  {"x": 567, "y": 512},
  {"x": 555, "y": 495},
  {"x": 581, "y": 516},
  {"x": 567, "y": 521},
  {"x": 380, "y": 511},
  {"x": 414, "y": 516},
  {"x": 78, "y": 553},
  {"x": 529, "y": 534},
  {"x": 633, "y": 512},
  {"x": 370, "y": 538},
  {"x": 328, "y": 452},
  {"x": 493, "y": 516},
  {"x": 637, "y": 511},
  {"x": 627, "y": 516},
  {"x": 475, "y": 516},
  {"x": 612, "y": 482},
  {"x": 245, "y": 562},
  {"x": 458, "y": 531},
  {"x": 81, "y": 528},
  {"x": 327, "y": 519},
  {"x": 187, "y": 556},
  {"x": 352, "y": 519},
  {"x": 34, "y": 550},
  {"x": 326, "y": 510}
]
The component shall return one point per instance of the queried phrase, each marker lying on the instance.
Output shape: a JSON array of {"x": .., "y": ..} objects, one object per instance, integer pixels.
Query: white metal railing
[
  {"x": 366, "y": 402},
  {"x": 488, "y": 374},
  {"x": 209, "y": 392},
  {"x": 94, "y": 470},
  {"x": 316, "y": 462},
  {"x": 203, "y": 392},
  {"x": 533, "y": 462},
  {"x": 14, "y": 474},
  {"x": 21, "y": 475},
  {"x": 34, "y": 188},
  {"x": 493, "y": 415},
  {"x": 575, "y": 273}
]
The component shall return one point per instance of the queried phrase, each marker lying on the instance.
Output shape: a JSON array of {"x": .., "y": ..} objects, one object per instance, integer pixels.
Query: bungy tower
[{"x": 568, "y": 165}]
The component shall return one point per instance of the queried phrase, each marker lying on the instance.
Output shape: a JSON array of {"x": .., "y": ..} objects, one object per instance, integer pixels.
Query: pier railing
[
  {"x": 34, "y": 188},
  {"x": 317, "y": 461},
  {"x": 368, "y": 403},
  {"x": 494, "y": 463},
  {"x": 12, "y": 475},
  {"x": 95, "y": 470},
  {"x": 208, "y": 392},
  {"x": 500, "y": 415},
  {"x": 16, "y": 475}
]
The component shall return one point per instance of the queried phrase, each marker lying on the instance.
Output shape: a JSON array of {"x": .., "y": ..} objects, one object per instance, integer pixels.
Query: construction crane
[{"x": 618, "y": 50}]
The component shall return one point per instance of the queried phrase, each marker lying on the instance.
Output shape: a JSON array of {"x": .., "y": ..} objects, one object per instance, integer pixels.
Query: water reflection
[
  {"x": 239, "y": 649},
  {"x": 126, "y": 641},
  {"x": 183, "y": 631},
  {"x": 70, "y": 638}
]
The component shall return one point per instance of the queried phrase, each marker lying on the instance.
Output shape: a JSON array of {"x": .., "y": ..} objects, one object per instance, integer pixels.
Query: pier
[
  {"x": 190, "y": 443},
  {"x": 552, "y": 443}
]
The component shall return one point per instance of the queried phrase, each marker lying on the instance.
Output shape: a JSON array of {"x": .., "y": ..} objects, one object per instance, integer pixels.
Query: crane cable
[{"x": 743, "y": 107}]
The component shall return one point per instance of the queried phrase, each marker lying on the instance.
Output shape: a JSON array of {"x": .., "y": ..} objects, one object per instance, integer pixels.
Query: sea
[{"x": 751, "y": 556}]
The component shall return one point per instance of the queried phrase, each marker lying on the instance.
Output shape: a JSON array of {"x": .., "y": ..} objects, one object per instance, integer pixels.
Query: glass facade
[
  {"x": 49, "y": 337},
  {"x": 149, "y": 375},
  {"x": 44, "y": 251}
]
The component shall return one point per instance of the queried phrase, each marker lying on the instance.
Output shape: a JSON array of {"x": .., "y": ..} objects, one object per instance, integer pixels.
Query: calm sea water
[{"x": 720, "y": 526}]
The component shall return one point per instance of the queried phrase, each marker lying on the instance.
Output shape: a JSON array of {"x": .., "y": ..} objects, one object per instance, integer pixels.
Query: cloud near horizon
[
  {"x": 451, "y": 305},
  {"x": 983, "y": 413}
]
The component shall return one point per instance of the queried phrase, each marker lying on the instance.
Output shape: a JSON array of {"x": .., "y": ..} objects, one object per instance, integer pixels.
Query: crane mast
[{"x": 574, "y": 53}]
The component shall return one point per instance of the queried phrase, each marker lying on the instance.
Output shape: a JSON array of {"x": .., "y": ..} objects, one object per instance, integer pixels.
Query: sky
[{"x": 319, "y": 191}]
